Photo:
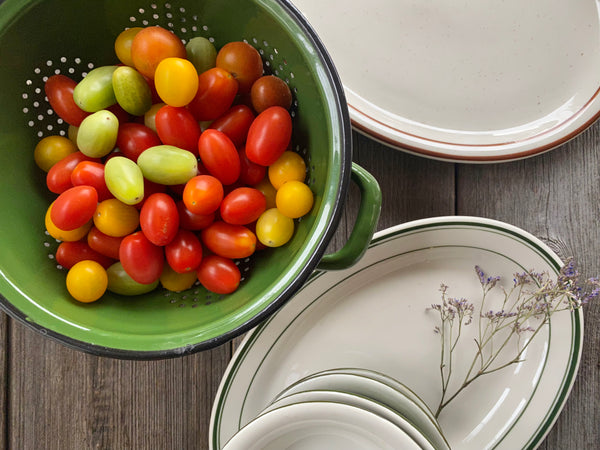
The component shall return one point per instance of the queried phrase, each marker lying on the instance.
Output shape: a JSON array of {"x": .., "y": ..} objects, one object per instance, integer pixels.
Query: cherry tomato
[
  {"x": 153, "y": 44},
  {"x": 218, "y": 274},
  {"x": 103, "y": 243},
  {"x": 141, "y": 259},
  {"x": 217, "y": 89},
  {"x": 70, "y": 253},
  {"x": 115, "y": 218},
  {"x": 294, "y": 199},
  {"x": 184, "y": 252},
  {"x": 269, "y": 135},
  {"x": 58, "y": 178},
  {"x": 268, "y": 191},
  {"x": 203, "y": 194},
  {"x": 51, "y": 150},
  {"x": 121, "y": 283},
  {"x": 274, "y": 229},
  {"x": 270, "y": 90},
  {"x": 202, "y": 53},
  {"x": 177, "y": 127},
  {"x": 191, "y": 221},
  {"x": 289, "y": 166},
  {"x": 150, "y": 116},
  {"x": 64, "y": 235},
  {"x": 159, "y": 219},
  {"x": 250, "y": 173},
  {"x": 243, "y": 61},
  {"x": 59, "y": 91},
  {"x": 219, "y": 156},
  {"x": 230, "y": 241},
  {"x": 132, "y": 91},
  {"x": 87, "y": 281},
  {"x": 133, "y": 138},
  {"x": 243, "y": 206},
  {"x": 177, "y": 282},
  {"x": 235, "y": 123},
  {"x": 91, "y": 173},
  {"x": 176, "y": 81},
  {"x": 74, "y": 208},
  {"x": 123, "y": 45}
]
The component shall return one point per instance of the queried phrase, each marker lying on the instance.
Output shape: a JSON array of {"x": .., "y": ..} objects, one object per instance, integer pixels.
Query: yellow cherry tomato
[
  {"x": 273, "y": 229},
  {"x": 176, "y": 81},
  {"x": 52, "y": 149},
  {"x": 87, "y": 281},
  {"x": 268, "y": 191},
  {"x": 290, "y": 166},
  {"x": 123, "y": 45},
  {"x": 63, "y": 235},
  {"x": 115, "y": 218},
  {"x": 72, "y": 132},
  {"x": 294, "y": 199},
  {"x": 177, "y": 282}
]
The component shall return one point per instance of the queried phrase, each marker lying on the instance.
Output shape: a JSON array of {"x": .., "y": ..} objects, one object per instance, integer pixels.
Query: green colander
[{"x": 39, "y": 38}]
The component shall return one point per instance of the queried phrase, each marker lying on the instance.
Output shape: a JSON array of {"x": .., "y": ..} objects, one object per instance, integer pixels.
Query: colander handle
[{"x": 364, "y": 226}]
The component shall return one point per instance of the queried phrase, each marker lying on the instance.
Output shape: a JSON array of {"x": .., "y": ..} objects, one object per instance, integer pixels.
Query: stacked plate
[{"x": 343, "y": 408}]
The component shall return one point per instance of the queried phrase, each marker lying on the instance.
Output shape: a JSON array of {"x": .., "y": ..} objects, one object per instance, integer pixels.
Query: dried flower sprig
[{"x": 525, "y": 309}]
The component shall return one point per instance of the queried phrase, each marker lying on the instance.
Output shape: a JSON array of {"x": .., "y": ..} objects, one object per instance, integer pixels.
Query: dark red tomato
[
  {"x": 74, "y": 208},
  {"x": 91, "y": 173},
  {"x": 243, "y": 206},
  {"x": 155, "y": 97},
  {"x": 235, "y": 123},
  {"x": 230, "y": 241},
  {"x": 103, "y": 243},
  {"x": 269, "y": 135},
  {"x": 193, "y": 222},
  {"x": 70, "y": 253},
  {"x": 141, "y": 259},
  {"x": 203, "y": 194},
  {"x": 150, "y": 187},
  {"x": 122, "y": 115},
  {"x": 250, "y": 173},
  {"x": 133, "y": 138},
  {"x": 219, "y": 156},
  {"x": 59, "y": 90},
  {"x": 159, "y": 218},
  {"x": 58, "y": 178},
  {"x": 184, "y": 252},
  {"x": 177, "y": 126},
  {"x": 217, "y": 89},
  {"x": 243, "y": 61},
  {"x": 270, "y": 90},
  {"x": 218, "y": 274}
]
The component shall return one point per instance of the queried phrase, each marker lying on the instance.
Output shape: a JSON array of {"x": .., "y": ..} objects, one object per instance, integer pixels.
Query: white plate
[
  {"x": 378, "y": 391},
  {"x": 477, "y": 80},
  {"x": 374, "y": 316},
  {"x": 320, "y": 426}
]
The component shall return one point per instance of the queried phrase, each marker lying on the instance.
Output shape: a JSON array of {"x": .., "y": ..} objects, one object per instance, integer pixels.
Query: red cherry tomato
[
  {"x": 230, "y": 241},
  {"x": 219, "y": 156},
  {"x": 59, "y": 91},
  {"x": 74, "y": 208},
  {"x": 103, "y": 243},
  {"x": 159, "y": 219},
  {"x": 177, "y": 126},
  {"x": 91, "y": 173},
  {"x": 243, "y": 206},
  {"x": 193, "y": 222},
  {"x": 218, "y": 274},
  {"x": 269, "y": 136},
  {"x": 243, "y": 61},
  {"x": 235, "y": 123},
  {"x": 141, "y": 259},
  {"x": 250, "y": 173},
  {"x": 184, "y": 252},
  {"x": 217, "y": 89},
  {"x": 203, "y": 194},
  {"x": 70, "y": 253},
  {"x": 58, "y": 178},
  {"x": 133, "y": 138}
]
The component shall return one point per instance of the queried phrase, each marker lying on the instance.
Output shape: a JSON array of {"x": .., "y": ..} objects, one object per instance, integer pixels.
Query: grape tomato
[
  {"x": 59, "y": 91},
  {"x": 269, "y": 136},
  {"x": 218, "y": 274},
  {"x": 243, "y": 61}
]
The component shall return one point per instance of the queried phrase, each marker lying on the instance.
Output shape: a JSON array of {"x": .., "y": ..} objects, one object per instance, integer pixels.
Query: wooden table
[{"x": 53, "y": 397}]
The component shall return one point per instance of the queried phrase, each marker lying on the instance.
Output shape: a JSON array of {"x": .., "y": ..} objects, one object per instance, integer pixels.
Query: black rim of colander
[{"x": 341, "y": 109}]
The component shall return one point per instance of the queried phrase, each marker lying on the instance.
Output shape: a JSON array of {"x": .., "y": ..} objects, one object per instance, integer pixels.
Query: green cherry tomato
[
  {"x": 132, "y": 91},
  {"x": 201, "y": 53},
  {"x": 169, "y": 165},
  {"x": 120, "y": 282},
  {"x": 124, "y": 180},
  {"x": 97, "y": 134},
  {"x": 95, "y": 91}
]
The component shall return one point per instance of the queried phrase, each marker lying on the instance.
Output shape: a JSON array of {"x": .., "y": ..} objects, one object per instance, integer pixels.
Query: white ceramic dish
[
  {"x": 320, "y": 426},
  {"x": 476, "y": 81},
  {"x": 417, "y": 420},
  {"x": 374, "y": 315}
]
